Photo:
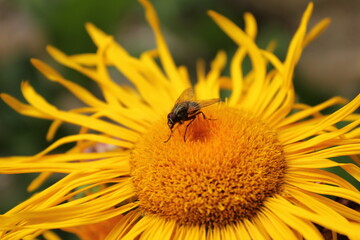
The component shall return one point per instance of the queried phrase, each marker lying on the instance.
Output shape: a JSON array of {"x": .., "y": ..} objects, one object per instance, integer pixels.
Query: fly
[{"x": 186, "y": 109}]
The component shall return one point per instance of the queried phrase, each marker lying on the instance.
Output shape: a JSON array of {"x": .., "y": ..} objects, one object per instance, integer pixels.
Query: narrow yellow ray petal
[
  {"x": 325, "y": 207},
  {"x": 278, "y": 65},
  {"x": 161, "y": 229},
  {"x": 49, "y": 235},
  {"x": 208, "y": 86},
  {"x": 104, "y": 76},
  {"x": 305, "y": 228},
  {"x": 38, "y": 181},
  {"x": 59, "y": 168},
  {"x": 345, "y": 150},
  {"x": 89, "y": 219},
  {"x": 215, "y": 234},
  {"x": 57, "y": 123},
  {"x": 68, "y": 157},
  {"x": 78, "y": 91},
  {"x": 236, "y": 76},
  {"x": 316, "y": 141},
  {"x": 272, "y": 98},
  {"x": 212, "y": 78},
  {"x": 184, "y": 74},
  {"x": 340, "y": 225},
  {"x": 147, "y": 66},
  {"x": 89, "y": 137},
  {"x": 311, "y": 110},
  {"x": 99, "y": 37},
  {"x": 98, "y": 209},
  {"x": 191, "y": 232},
  {"x": 164, "y": 53},
  {"x": 124, "y": 96},
  {"x": 85, "y": 59},
  {"x": 326, "y": 189},
  {"x": 125, "y": 64},
  {"x": 143, "y": 224},
  {"x": 23, "y": 109},
  {"x": 253, "y": 230},
  {"x": 123, "y": 117},
  {"x": 321, "y": 176},
  {"x": 310, "y": 130},
  {"x": 44, "y": 202},
  {"x": 353, "y": 134},
  {"x": 285, "y": 97},
  {"x": 225, "y": 84},
  {"x": 229, "y": 232},
  {"x": 167, "y": 231},
  {"x": 286, "y": 69},
  {"x": 65, "y": 60},
  {"x": 63, "y": 189},
  {"x": 26, "y": 234},
  {"x": 347, "y": 212},
  {"x": 36, "y": 100},
  {"x": 241, "y": 229},
  {"x": 276, "y": 228},
  {"x": 312, "y": 162},
  {"x": 353, "y": 117},
  {"x": 258, "y": 63},
  {"x": 147, "y": 59},
  {"x": 260, "y": 227},
  {"x": 316, "y": 31},
  {"x": 123, "y": 226},
  {"x": 295, "y": 48},
  {"x": 200, "y": 71},
  {"x": 352, "y": 169},
  {"x": 250, "y": 25},
  {"x": 284, "y": 107},
  {"x": 236, "y": 63}
]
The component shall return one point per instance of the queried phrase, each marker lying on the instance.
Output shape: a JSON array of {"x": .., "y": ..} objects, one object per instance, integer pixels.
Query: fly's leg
[
  {"x": 205, "y": 116},
  {"x": 171, "y": 129},
  {"x": 192, "y": 119},
  {"x": 169, "y": 136}
]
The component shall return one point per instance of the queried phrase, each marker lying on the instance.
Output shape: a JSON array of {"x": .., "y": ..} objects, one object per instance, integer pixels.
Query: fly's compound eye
[{"x": 171, "y": 118}]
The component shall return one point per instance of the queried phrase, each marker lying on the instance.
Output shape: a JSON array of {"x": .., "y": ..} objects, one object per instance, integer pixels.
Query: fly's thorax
[{"x": 181, "y": 110}]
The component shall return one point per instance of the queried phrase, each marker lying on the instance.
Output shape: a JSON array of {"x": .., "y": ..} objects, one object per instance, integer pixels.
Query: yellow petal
[
  {"x": 328, "y": 190},
  {"x": 305, "y": 228},
  {"x": 123, "y": 226},
  {"x": 253, "y": 230},
  {"x": 37, "y": 101},
  {"x": 23, "y": 108},
  {"x": 78, "y": 91},
  {"x": 309, "y": 130},
  {"x": 316, "y": 31},
  {"x": 259, "y": 68},
  {"x": 165, "y": 57},
  {"x": 319, "y": 141},
  {"x": 311, "y": 110},
  {"x": 38, "y": 181},
  {"x": 139, "y": 228},
  {"x": 321, "y": 177},
  {"x": 340, "y": 225},
  {"x": 275, "y": 227}
]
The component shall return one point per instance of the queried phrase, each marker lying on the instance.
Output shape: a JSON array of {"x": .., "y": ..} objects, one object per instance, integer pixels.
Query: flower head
[{"x": 250, "y": 167}]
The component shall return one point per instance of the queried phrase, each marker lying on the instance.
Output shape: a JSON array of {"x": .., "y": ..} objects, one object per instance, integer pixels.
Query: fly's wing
[
  {"x": 205, "y": 103},
  {"x": 196, "y": 106},
  {"x": 185, "y": 96}
]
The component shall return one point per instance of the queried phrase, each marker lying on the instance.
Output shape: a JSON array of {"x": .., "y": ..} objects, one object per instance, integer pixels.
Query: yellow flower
[{"x": 252, "y": 169}]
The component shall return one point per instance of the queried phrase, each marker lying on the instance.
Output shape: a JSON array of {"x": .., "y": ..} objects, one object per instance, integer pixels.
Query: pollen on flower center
[{"x": 223, "y": 172}]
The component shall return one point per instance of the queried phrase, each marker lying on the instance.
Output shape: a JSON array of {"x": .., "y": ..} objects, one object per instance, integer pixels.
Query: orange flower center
[{"x": 223, "y": 172}]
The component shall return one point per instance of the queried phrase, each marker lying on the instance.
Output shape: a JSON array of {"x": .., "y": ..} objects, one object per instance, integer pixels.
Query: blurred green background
[{"x": 329, "y": 66}]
